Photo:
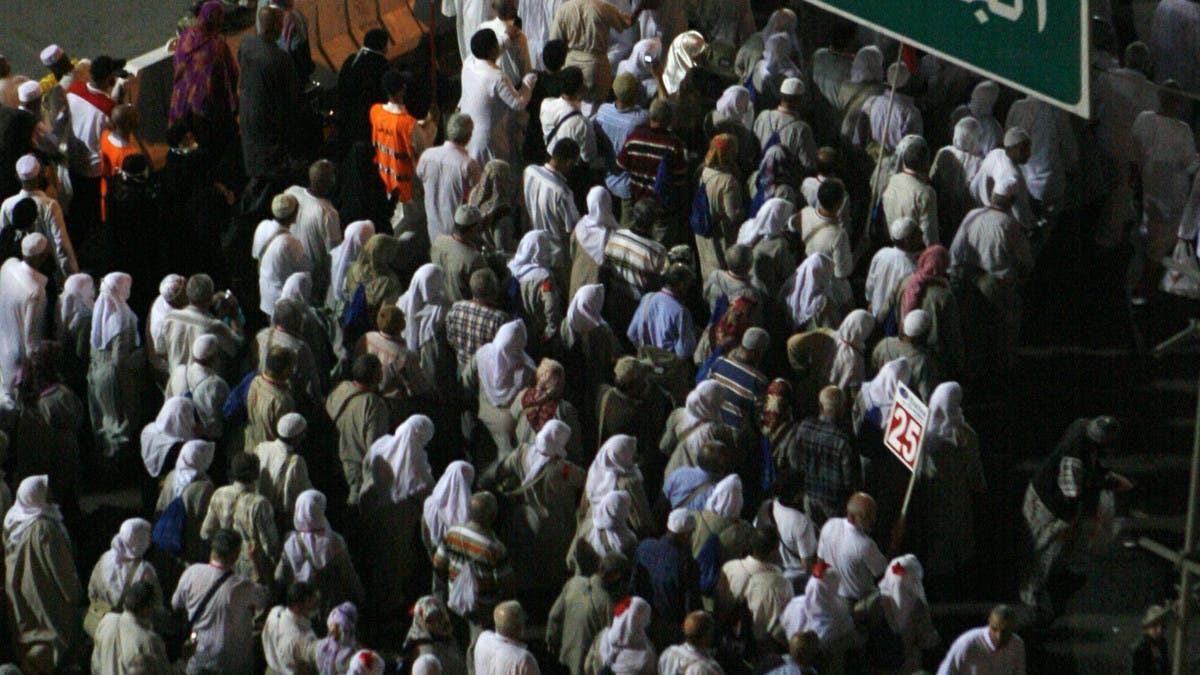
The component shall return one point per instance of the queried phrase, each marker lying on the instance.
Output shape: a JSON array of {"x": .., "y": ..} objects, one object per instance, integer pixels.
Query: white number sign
[{"x": 906, "y": 427}]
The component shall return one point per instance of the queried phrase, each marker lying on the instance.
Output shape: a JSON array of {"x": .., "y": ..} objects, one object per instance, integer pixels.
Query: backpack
[
  {"x": 701, "y": 217},
  {"x": 234, "y": 411},
  {"x": 464, "y": 592},
  {"x": 709, "y": 561},
  {"x": 168, "y": 531},
  {"x": 662, "y": 182},
  {"x": 355, "y": 318}
]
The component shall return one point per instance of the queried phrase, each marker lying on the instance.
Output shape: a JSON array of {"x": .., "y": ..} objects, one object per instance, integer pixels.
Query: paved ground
[{"x": 84, "y": 28}]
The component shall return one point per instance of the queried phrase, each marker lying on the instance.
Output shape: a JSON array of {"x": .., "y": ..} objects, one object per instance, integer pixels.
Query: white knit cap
[
  {"x": 50, "y": 55},
  {"x": 917, "y": 323},
  {"x": 29, "y": 91},
  {"x": 1015, "y": 136},
  {"x": 792, "y": 86},
  {"x": 291, "y": 425},
  {"x": 33, "y": 244},
  {"x": 901, "y": 228},
  {"x": 1006, "y": 186},
  {"x": 898, "y": 76},
  {"x": 28, "y": 167}
]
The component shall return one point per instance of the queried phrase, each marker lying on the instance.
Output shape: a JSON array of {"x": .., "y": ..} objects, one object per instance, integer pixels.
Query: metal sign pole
[
  {"x": 877, "y": 190},
  {"x": 901, "y": 526}
]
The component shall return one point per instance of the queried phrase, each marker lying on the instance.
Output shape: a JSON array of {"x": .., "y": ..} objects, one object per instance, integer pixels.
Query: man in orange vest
[{"x": 399, "y": 139}]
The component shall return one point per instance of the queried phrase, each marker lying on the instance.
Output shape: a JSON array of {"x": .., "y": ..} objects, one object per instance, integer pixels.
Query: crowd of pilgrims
[{"x": 612, "y": 356}]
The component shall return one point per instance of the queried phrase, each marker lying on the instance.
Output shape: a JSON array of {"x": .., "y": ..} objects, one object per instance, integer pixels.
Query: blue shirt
[
  {"x": 744, "y": 386},
  {"x": 616, "y": 125},
  {"x": 683, "y": 482},
  {"x": 666, "y": 576},
  {"x": 662, "y": 321}
]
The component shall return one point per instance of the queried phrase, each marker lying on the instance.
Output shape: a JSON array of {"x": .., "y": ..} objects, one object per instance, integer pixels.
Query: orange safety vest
[
  {"x": 111, "y": 158},
  {"x": 391, "y": 134}
]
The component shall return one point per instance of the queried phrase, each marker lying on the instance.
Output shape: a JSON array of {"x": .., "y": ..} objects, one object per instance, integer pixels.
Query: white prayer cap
[
  {"x": 29, "y": 92},
  {"x": 917, "y": 323},
  {"x": 1104, "y": 430},
  {"x": 291, "y": 426},
  {"x": 898, "y": 76},
  {"x": 204, "y": 347},
  {"x": 284, "y": 206},
  {"x": 681, "y": 521},
  {"x": 365, "y": 662},
  {"x": 427, "y": 664},
  {"x": 901, "y": 228},
  {"x": 1015, "y": 136},
  {"x": 792, "y": 86},
  {"x": 28, "y": 167},
  {"x": 755, "y": 338},
  {"x": 33, "y": 244},
  {"x": 50, "y": 55},
  {"x": 1006, "y": 186},
  {"x": 467, "y": 214}
]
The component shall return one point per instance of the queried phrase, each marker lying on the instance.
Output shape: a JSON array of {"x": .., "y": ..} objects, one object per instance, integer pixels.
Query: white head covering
[
  {"x": 735, "y": 104},
  {"x": 819, "y": 609},
  {"x": 29, "y": 91},
  {"x": 615, "y": 459},
  {"x": 685, "y": 49},
  {"x": 777, "y": 58},
  {"x": 625, "y": 645},
  {"x": 33, "y": 244},
  {"x": 204, "y": 347},
  {"x": 902, "y": 591},
  {"x": 427, "y": 664},
  {"x": 311, "y": 535},
  {"x": 783, "y": 21},
  {"x": 1015, "y": 136},
  {"x": 550, "y": 443},
  {"x": 76, "y": 302},
  {"x": 290, "y": 426},
  {"x": 503, "y": 364},
  {"x": 583, "y": 315},
  {"x": 681, "y": 521},
  {"x": 170, "y": 286},
  {"x": 945, "y": 411},
  {"x": 366, "y": 662},
  {"x": 593, "y": 228},
  {"x": 898, "y": 76},
  {"x": 636, "y": 63},
  {"x": 447, "y": 505},
  {"x": 809, "y": 286},
  {"x": 194, "y": 459},
  {"x": 50, "y": 55},
  {"x": 424, "y": 305},
  {"x": 128, "y": 546},
  {"x": 32, "y": 502},
  {"x": 726, "y": 498},
  {"x": 111, "y": 314},
  {"x": 880, "y": 391},
  {"x": 176, "y": 423},
  {"x": 347, "y": 252},
  {"x": 848, "y": 356},
  {"x": 610, "y": 531},
  {"x": 983, "y": 99},
  {"x": 770, "y": 221},
  {"x": 298, "y": 287},
  {"x": 703, "y": 404},
  {"x": 968, "y": 136},
  {"x": 534, "y": 256},
  {"x": 404, "y": 452},
  {"x": 867, "y": 66}
]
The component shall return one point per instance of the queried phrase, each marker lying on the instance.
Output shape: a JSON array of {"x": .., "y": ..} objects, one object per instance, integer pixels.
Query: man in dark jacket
[{"x": 358, "y": 87}]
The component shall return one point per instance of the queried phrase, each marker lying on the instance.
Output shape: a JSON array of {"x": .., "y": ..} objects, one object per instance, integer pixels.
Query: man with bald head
[
  {"x": 846, "y": 544},
  {"x": 696, "y": 650},
  {"x": 474, "y": 546},
  {"x": 501, "y": 651}
]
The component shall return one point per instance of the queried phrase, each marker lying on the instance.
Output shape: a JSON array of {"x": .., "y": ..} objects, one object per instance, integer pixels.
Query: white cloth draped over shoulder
[{"x": 503, "y": 365}]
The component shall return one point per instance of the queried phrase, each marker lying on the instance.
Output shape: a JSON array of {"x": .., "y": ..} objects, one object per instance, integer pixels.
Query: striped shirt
[
  {"x": 487, "y": 556},
  {"x": 635, "y": 261},
  {"x": 744, "y": 387},
  {"x": 470, "y": 325},
  {"x": 642, "y": 154}
]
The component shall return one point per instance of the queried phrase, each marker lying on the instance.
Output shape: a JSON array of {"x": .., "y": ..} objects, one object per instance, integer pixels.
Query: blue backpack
[
  {"x": 662, "y": 182},
  {"x": 709, "y": 561},
  {"x": 768, "y": 465},
  {"x": 168, "y": 531},
  {"x": 355, "y": 319},
  {"x": 700, "y": 218},
  {"x": 234, "y": 410}
]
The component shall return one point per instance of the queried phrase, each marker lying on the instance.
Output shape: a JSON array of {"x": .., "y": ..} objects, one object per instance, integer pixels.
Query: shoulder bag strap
[
  {"x": 342, "y": 408},
  {"x": 558, "y": 125},
  {"x": 600, "y": 421},
  {"x": 212, "y": 590},
  {"x": 128, "y": 582}
]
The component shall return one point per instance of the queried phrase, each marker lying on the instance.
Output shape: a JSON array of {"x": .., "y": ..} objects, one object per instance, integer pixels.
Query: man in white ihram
[{"x": 500, "y": 651}]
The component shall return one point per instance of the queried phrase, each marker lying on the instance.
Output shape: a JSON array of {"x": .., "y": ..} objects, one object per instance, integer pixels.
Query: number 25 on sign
[{"x": 906, "y": 427}]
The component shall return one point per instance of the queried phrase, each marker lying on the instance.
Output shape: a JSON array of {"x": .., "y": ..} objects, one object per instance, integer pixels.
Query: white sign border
[{"x": 1082, "y": 108}]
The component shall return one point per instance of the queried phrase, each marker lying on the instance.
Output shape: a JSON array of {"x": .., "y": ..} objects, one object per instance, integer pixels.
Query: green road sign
[{"x": 1037, "y": 46}]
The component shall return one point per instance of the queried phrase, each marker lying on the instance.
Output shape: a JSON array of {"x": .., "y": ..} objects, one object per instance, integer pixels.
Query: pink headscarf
[{"x": 931, "y": 269}]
